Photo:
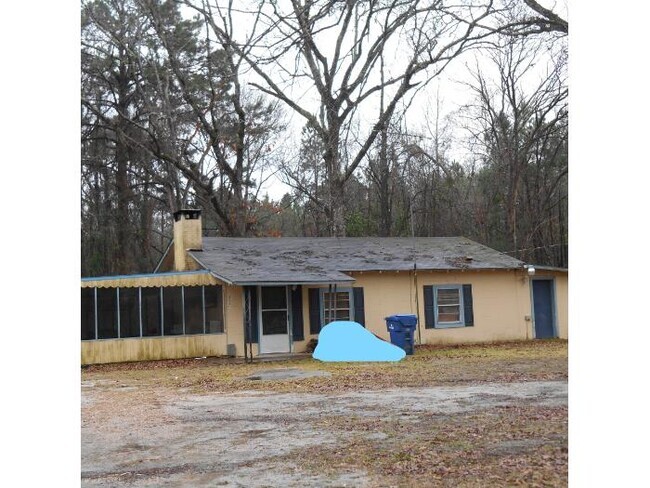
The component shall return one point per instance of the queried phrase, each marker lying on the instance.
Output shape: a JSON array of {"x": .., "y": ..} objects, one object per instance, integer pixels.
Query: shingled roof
[{"x": 244, "y": 261}]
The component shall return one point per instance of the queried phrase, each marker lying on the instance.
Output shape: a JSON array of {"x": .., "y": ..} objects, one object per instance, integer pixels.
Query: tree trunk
[{"x": 335, "y": 208}]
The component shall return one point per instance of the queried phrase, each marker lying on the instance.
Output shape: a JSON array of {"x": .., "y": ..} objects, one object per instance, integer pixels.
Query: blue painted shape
[
  {"x": 350, "y": 341},
  {"x": 543, "y": 306}
]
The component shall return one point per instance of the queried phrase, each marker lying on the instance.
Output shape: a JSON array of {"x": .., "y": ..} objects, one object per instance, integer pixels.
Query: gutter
[
  {"x": 143, "y": 275},
  {"x": 294, "y": 282}
]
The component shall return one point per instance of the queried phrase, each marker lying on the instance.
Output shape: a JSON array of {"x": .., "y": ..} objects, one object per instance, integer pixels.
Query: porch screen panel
[
  {"x": 106, "y": 313},
  {"x": 172, "y": 310},
  {"x": 213, "y": 310},
  {"x": 129, "y": 312},
  {"x": 87, "y": 314},
  {"x": 296, "y": 314},
  {"x": 151, "y": 312},
  {"x": 274, "y": 298},
  {"x": 274, "y": 322},
  {"x": 193, "y": 309}
]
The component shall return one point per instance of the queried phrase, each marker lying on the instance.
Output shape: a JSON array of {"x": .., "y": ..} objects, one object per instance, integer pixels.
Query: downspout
[
  {"x": 248, "y": 348},
  {"x": 417, "y": 301}
]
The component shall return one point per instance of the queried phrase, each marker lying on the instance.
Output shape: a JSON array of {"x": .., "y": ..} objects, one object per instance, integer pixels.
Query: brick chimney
[{"x": 187, "y": 236}]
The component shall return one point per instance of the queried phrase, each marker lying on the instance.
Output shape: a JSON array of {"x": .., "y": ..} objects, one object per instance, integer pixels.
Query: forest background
[{"x": 323, "y": 118}]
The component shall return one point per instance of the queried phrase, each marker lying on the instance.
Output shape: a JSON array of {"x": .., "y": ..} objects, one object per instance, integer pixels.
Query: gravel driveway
[{"x": 160, "y": 437}]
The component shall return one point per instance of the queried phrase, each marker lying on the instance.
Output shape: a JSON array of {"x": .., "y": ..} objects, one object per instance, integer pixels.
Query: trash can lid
[{"x": 401, "y": 316}]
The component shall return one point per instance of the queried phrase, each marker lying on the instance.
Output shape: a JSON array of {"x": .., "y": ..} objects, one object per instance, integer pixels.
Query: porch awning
[{"x": 182, "y": 278}]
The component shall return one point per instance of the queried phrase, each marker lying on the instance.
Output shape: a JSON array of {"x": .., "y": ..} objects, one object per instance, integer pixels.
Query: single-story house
[{"x": 213, "y": 296}]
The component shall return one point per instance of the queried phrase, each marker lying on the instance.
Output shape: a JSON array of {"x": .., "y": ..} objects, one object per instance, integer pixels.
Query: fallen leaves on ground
[
  {"x": 520, "y": 445},
  {"x": 430, "y": 366}
]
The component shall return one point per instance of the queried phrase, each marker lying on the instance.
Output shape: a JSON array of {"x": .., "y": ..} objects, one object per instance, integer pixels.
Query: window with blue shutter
[
  {"x": 296, "y": 314},
  {"x": 448, "y": 306},
  {"x": 468, "y": 304},
  {"x": 429, "y": 304},
  {"x": 314, "y": 310},
  {"x": 251, "y": 322},
  {"x": 359, "y": 307}
]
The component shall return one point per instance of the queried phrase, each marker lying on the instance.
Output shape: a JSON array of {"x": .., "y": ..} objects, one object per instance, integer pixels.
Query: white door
[{"x": 274, "y": 319}]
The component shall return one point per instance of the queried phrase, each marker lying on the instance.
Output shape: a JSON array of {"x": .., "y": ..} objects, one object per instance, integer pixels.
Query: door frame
[
  {"x": 553, "y": 304},
  {"x": 260, "y": 324}
]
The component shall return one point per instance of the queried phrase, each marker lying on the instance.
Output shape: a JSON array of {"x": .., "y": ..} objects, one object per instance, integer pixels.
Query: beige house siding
[
  {"x": 152, "y": 348},
  {"x": 501, "y": 303},
  {"x": 562, "y": 296},
  {"x": 234, "y": 313}
]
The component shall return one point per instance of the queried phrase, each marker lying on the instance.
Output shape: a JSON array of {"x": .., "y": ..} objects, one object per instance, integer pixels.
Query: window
[
  {"x": 129, "y": 312},
  {"x": 337, "y": 305},
  {"x": 448, "y": 306},
  {"x": 87, "y": 314}
]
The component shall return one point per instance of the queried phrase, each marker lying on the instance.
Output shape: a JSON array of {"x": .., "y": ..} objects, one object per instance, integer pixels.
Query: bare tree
[
  {"x": 523, "y": 18},
  {"x": 520, "y": 128},
  {"x": 233, "y": 128},
  {"x": 330, "y": 51}
]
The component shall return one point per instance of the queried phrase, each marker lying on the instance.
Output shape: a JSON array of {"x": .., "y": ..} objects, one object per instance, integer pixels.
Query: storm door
[{"x": 274, "y": 319}]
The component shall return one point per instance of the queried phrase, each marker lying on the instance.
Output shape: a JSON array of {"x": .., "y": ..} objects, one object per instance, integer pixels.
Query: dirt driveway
[{"x": 139, "y": 428}]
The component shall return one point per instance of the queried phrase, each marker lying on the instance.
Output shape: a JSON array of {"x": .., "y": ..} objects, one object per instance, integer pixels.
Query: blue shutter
[
  {"x": 314, "y": 311},
  {"x": 359, "y": 311},
  {"x": 429, "y": 308},
  {"x": 296, "y": 314},
  {"x": 254, "y": 325},
  {"x": 468, "y": 305}
]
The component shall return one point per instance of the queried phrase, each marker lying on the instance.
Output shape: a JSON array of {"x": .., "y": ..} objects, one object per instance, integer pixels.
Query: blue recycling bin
[{"x": 402, "y": 330}]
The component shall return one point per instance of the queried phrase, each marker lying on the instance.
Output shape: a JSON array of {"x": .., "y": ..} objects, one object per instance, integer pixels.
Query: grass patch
[{"x": 430, "y": 366}]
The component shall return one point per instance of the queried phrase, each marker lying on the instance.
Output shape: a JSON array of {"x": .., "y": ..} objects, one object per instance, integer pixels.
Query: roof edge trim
[
  {"x": 144, "y": 275},
  {"x": 208, "y": 270},
  {"x": 300, "y": 282}
]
